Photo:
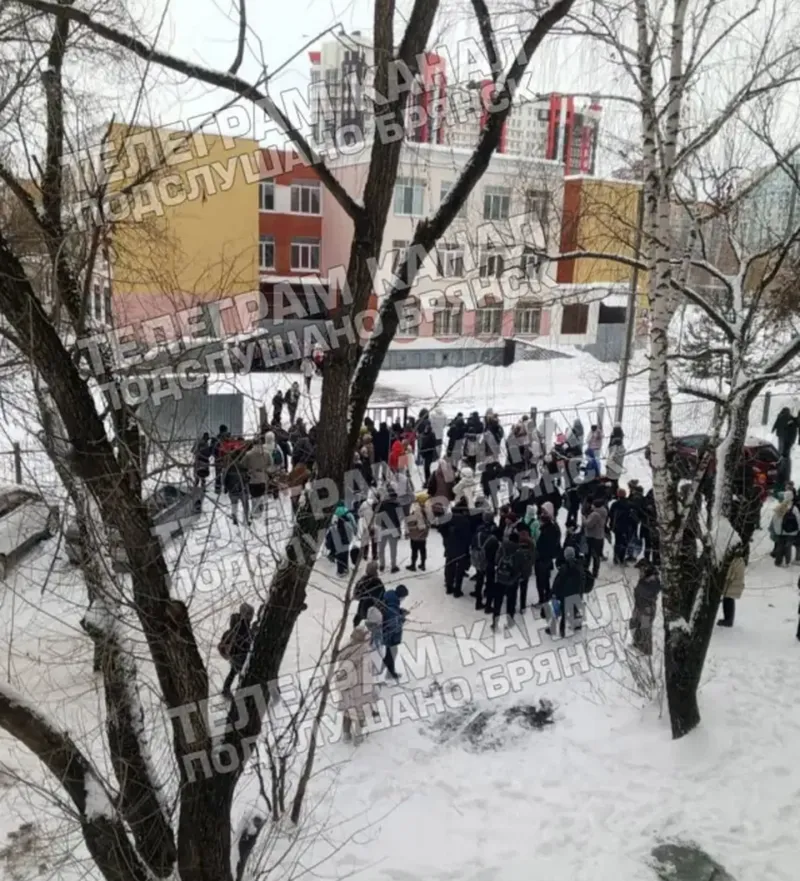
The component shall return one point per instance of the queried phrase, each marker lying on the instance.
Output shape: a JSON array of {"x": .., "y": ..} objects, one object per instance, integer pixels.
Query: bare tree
[{"x": 199, "y": 845}]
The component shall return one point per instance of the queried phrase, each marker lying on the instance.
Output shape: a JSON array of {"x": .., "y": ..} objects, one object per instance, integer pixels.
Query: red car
[{"x": 768, "y": 464}]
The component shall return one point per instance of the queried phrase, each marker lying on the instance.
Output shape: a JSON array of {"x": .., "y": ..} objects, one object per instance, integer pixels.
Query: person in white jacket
[
  {"x": 354, "y": 683},
  {"x": 785, "y": 528},
  {"x": 467, "y": 490},
  {"x": 438, "y": 424}
]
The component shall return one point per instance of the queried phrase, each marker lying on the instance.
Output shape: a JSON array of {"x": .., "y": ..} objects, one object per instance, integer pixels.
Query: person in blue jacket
[{"x": 393, "y": 619}]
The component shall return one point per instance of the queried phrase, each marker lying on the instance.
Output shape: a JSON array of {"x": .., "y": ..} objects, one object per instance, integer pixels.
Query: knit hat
[
  {"x": 547, "y": 510},
  {"x": 569, "y": 554},
  {"x": 401, "y": 590},
  {"x": 372, "y": 567}
]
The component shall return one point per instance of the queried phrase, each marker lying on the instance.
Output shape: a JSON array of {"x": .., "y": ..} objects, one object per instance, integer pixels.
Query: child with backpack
[{"x": 236, "y": 642}]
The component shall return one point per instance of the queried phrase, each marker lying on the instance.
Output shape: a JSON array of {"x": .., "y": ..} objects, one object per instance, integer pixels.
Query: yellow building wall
[
  {"x": 606, "y": 223},
  {"x": 187, "y": 230}
]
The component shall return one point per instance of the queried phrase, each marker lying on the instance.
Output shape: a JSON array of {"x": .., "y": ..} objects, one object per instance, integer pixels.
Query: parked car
[
  {"x": 25, "y": 520},
  {"x": 171, "y": 504},
  {"x": 769, "y": 467}
]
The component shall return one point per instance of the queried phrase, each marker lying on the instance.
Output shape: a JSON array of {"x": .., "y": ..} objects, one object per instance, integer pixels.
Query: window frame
[
  {"x": 526, "y": 307},
  {"x": 489, "y": 311},
  {"x": 447, "y": 253},
  {"x": 303, "y": 243},
  {"x": 503, "y": 195},
  {"x": 301, "y": 187},
  {"x": 491, "y": 253},
  {"x": 262, "y": 241},
  {"x": 584, "y": 307},
  {"x": 263, "y": 187},
  {"x": 448, "y": 316},
  {"x": 413, "y": 184}
]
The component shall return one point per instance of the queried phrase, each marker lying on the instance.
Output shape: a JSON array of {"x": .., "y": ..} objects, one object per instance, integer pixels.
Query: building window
[
  {"x": 450, "y": 259},
  {"x": 575, "y": 319},
  {"x": 266, "y": 252},
  {"x": 399, "y": 247},
  {"x": 409, "y": 319},
  {"x": 531, "y": 264},
  {"x": 109, "y": 314},
  {"x": 409, "y": 196},
  {"x": 448, "y": 321},
  {"x": 489, "y": 319},
  {"x": 305, "y": 198},
  {"x": 496, "y": 203},
  {"x": 527, "y": 319},
  {"x": 536, "y": 204},
  {"x": 305, "y": 254},
  {"x": 266, "y": 196},
  {"x": 492, "y": 263}
]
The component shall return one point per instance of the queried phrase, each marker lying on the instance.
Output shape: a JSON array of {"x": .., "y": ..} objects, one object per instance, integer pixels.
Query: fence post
[
  {"x": 765, "y": 412},
  {"x": 17, "y": 463}
]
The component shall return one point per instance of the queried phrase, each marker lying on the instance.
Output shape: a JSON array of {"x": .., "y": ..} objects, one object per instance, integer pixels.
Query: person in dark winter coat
[
  {"x": 236, "y": 483},
  {"x": 491, "y": 477},
  {"x": 509, "y": 566},
  {"x": 785, "y": 428},
  {"x": 622, "y": 520},
  {"x": 527, "y": 548},
  {"x": 548, "y": 550},
  {"x": 368, "y": 592},
  {"x": 645, "y": 598},
  {"x": 340, "y": 535},
  {"x": 203, "y": 451},
  {"x": 237, "y": 641},
  {"x": 455, "y": 436},
  {"x": 292, "y": 399},
  {"x": 568, "y": 588},
  {"x": 219, "y": 457},
  {"x": 483, "y": 552},
  {"x": 648, "y": 530},
  {"x": 277, "y": 408},
  {"x": 427, "y": 449},
  {"x": 746, "y": 505},
  {"x": 383, "y": 443},
  {"x": 457, "y": 535},
  {"x": 393, "y": 620}
]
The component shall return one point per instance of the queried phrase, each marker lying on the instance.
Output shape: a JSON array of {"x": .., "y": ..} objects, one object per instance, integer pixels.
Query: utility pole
[{"x": 630, "y": 316}]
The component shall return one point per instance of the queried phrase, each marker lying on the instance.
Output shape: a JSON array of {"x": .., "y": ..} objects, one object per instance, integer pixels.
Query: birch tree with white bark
[{"x": 699, "y": 72}]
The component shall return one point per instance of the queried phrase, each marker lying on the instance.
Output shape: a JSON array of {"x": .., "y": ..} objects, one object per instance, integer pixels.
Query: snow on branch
[{"x": 103, "y": 831}]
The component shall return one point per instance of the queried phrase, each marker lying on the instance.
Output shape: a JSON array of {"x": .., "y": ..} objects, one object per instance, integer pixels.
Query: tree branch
[
  {"x": 237, "y": 61},
  {"x": 104, "y": 833},
  {"x": 487, "y": 35},
  {"x": 222, "y": 80}
]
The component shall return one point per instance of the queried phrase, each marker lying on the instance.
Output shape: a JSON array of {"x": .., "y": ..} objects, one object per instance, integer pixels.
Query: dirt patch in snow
[{"x": 485, "y": 729}]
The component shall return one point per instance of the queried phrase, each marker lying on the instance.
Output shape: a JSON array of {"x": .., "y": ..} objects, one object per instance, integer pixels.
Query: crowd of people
[{"x": 495, "y": 499}]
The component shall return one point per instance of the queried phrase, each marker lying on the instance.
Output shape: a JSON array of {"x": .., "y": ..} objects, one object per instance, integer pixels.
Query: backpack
[
  {"x": 505, "y": 571},
  {"x": 790, "y": 524},
  {"x": 277, "y": 457},
  {"x": 477, "y": 553}
]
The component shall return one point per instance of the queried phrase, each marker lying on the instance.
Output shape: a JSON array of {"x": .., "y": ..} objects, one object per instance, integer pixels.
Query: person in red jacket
[{"x": 396, "y": 454}]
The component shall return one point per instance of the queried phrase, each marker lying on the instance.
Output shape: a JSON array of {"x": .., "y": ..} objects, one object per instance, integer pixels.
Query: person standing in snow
[
  {"x": 219, "y": 457},
  {"x": 388, "y": 526},
  {"x": 734, "y": 588},
  {"x": 308, "y": 369},
  {"x": 548, "y": 550},
  {"x": 203, "y": 451},
  {"x": 368, "y": 591},
  {"x": 784, "y": 528},
  {"x": 235, "y": 481},
  {"x": 292, "y": 400},
  {"x": 623, "y": 526},
  {"x": 568, "y": 588},
  {"x": 236, "y": 643},
  {"x": 575, "y": 437},
  {"x": 277, "y": 407},
  {"x": 457, "y": 535},
  {"x": 596, "y": 439},
  {"x": 257, "y": 463},
  {"x": 418, "y": 529},
  {"x": 356, "y": 692},
  {"x": 466, "y": 491},
  {"x": 645, "y": 598},
  {"x": 393, "y": 619},
  {"x": 527, "y": 547},
  {"x": 428, "y": 449},
  {"x": 483, "y": 551},
  {"x": 438, "y": 423},
  {"x": 594, "y": 528},
  {"x": 785, "y": 427},
  {"x": 615, "y": 461},
  {"x": 507, "y": 574}
]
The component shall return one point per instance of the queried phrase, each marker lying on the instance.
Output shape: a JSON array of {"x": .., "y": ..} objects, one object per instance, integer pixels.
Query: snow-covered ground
[{"x": 426, "y": 796}]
